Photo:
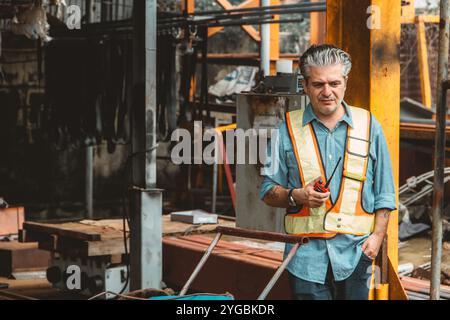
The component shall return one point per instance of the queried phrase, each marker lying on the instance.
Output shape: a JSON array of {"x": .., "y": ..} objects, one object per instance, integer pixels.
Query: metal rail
[
  {"x": 271, "y": 236},
  {"x": 439, "y": 160}
]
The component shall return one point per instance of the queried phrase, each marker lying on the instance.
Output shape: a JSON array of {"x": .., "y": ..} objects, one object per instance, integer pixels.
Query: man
[{"x": 346, "y": 225}]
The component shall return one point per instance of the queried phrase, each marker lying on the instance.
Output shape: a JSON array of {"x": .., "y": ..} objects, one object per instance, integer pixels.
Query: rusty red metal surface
[
  {"x": 238, "y": 269},
  {"x": 11, "y": 220},
  {"x": 235, "y": 268}
]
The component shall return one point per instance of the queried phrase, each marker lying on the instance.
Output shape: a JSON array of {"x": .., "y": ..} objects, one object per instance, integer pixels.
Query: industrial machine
[
  {"x": 263, "y": 111},
  {"x": 88, "y": 276}
]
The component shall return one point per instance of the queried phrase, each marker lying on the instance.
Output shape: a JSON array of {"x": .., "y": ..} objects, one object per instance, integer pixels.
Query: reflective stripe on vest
[{"x": 346, "y": 215}]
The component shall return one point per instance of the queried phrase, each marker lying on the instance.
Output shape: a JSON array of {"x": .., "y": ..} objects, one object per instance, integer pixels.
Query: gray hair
[{"x": 324, "y": 55}]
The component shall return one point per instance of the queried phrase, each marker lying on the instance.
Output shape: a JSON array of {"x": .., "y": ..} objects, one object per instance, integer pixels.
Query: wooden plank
[
  {"x": 72, "y": 230},
  {"x": 51, "y": 237},
  {"x": 105, "y": 247},
  {"x": 21, "y": 257}
]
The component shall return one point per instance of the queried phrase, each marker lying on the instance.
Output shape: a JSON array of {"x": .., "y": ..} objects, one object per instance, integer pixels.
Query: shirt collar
[{"x": 309, "y": 115}]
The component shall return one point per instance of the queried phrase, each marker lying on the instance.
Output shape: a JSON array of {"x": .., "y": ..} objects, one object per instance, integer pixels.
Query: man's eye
[{"x": 335, "y": 84}]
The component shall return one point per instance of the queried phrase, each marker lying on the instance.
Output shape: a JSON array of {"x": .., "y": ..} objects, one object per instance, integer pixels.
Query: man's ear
[{"x": 304, "y": 84}]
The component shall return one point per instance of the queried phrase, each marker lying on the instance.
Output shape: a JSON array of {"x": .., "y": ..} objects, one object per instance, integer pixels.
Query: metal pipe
[
  {"x": 261, "y": 235},
  {"x": 90, "y": 18},
  {"x": 263, "y": 6},
  {"x": 215, "y": 172},
  {"x": 277, "y": 274},
  {"x": 165, "y": 16},
  {"x": 146, "y": 205},
  {"x": 265, "y": 44},
  {"x": 439, "y": 159},
  {"x": 239, "y": 19},
  {"x": 200, "y": 264},
  {"x": 89, "y": 187},
  {"x": 106, "y": 10},
  {"x": 256, "y": 12}
]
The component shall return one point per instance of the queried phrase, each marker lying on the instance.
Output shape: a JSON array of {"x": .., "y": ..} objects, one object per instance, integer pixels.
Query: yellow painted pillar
[
  {"x": 370, "y": 31},
  {"x": 318, "y": 30},
  {"x": 422, "y": 55}
]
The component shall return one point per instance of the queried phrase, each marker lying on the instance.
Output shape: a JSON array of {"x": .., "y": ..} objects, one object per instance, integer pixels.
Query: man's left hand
[{"x": 372, "y": 245}]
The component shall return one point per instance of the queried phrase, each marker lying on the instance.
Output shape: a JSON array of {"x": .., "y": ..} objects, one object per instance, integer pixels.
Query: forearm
[
  {"x": 381, "y": 222},
  {"x": 277, "y": 197}
]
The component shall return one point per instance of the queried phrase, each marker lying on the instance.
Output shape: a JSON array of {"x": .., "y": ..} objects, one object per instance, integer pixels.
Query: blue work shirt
[{"x": 343, "y": 251}]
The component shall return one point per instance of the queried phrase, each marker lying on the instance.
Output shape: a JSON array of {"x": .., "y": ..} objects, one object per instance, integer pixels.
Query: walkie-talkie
[{"x": 320, "y": 187}]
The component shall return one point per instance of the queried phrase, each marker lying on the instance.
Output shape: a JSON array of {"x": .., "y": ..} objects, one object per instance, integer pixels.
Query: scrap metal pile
[{"x": 415, "y": 205}]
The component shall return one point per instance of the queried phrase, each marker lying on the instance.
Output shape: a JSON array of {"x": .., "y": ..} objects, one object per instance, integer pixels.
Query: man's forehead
[{"x": 326, "y": 73}]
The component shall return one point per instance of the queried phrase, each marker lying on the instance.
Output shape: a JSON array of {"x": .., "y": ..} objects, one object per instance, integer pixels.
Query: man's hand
[
  {"x": 310, "y": 198},
  {"x": 372, "y": 245}
]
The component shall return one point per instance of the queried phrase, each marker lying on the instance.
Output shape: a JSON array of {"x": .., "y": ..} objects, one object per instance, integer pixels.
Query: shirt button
[{"x": 330, "y": 156}]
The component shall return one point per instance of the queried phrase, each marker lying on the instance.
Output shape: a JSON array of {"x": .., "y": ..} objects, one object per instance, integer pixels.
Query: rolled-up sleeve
[
  {"x": 275, "y": 169},
  {"x": 384, "y": 187}
]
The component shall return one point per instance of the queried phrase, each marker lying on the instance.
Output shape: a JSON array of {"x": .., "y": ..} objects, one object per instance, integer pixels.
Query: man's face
[{"x": 325, "y": 88}]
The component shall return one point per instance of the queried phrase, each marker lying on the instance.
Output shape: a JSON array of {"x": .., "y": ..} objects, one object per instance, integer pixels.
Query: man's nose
[{"x": 326, "y": 90}]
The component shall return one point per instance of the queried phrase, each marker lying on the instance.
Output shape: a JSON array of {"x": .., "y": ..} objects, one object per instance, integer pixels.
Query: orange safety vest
[{"x": 347, "y": 214}]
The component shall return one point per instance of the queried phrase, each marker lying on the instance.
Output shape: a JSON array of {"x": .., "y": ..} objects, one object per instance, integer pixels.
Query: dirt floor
[{"x": 418, "y": 252}]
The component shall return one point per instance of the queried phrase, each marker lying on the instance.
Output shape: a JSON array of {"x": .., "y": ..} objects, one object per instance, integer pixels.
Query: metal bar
[
  {"x": 226, "y": 165},
  {"x": 265, "y": 44},
  {"x": 439, "y": 156},
  {"x": 89, "y": 186},
  {"x": 233, "y": 19},
  {"x": 261, "y": 235},
  {"x": 200, "y": 264},
  {"x": 263, "y": 7},
  {"x": 106, "y": 10},
  {"x": 90, "y": 15},
  {"x": 214, "y": 188},
  {"x": 262, "y": 13},
  {"x": 146, "y": 222},
  {"x": 204, "y": 83},
  {"x": 277, "y": 274},
  {"x": 220, "y": 148},
  {"x": 238, "y": 23}
]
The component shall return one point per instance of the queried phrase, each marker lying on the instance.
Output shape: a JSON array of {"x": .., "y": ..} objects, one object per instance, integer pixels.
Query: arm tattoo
[
  {"x": 386, "y": 213},
  {"x": 272, "y": 194}
]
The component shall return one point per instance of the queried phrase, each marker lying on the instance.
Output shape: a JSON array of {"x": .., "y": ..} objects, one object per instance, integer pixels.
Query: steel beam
[
  {"x": 146, "y": 222},
  {"x": 374, "y": 82}
]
